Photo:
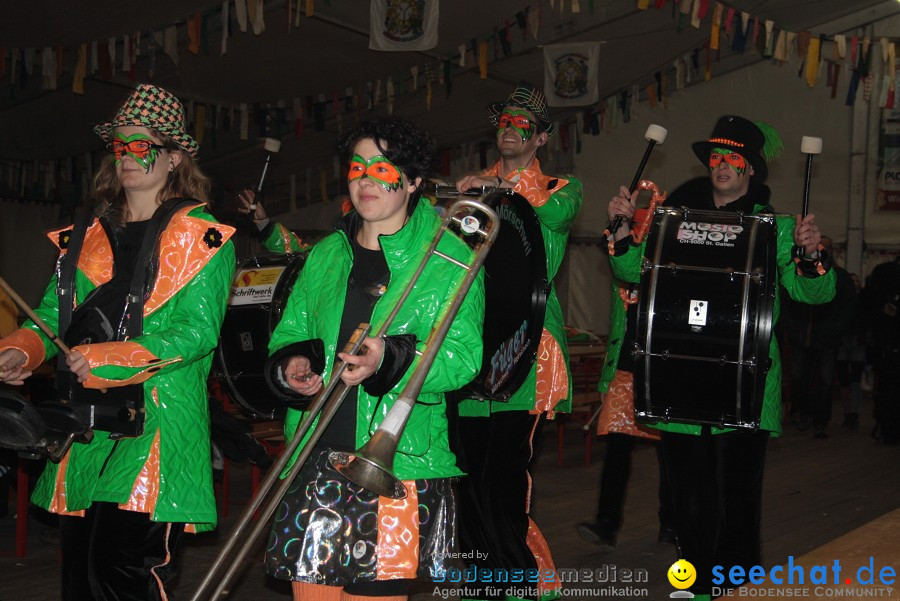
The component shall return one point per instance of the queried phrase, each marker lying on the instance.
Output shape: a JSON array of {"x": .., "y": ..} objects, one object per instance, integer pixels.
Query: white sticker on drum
[
  {"x": 697, "y": 315},
  {"x": 469, "y": 224},
  {"x": 254, "y": 286}
]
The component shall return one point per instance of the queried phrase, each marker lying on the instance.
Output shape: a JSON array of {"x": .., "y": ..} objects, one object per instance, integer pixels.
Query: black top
[
  {"x": 368, "y": 279},
  {"x": 100, "y": 317}
]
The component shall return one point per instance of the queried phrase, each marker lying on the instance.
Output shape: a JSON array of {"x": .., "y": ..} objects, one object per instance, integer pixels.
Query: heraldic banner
[
  {"x": 403, "y": 24},
  {"x": 570, "y": 74}
]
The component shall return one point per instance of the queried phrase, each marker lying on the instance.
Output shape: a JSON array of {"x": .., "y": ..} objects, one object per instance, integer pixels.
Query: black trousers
[
  {"x": 716, "y": 487},
  {"x": 495, "y": 452},
  {"x": 614, "y": 483},
  {"x": 116, "y": 555},
  {"x": 812, "y": 382}
]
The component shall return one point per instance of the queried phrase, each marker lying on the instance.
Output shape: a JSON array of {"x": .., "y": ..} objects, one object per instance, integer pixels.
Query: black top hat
[
  {"x": 527, "y": 97},
  {"x": 740, "y": 135}
]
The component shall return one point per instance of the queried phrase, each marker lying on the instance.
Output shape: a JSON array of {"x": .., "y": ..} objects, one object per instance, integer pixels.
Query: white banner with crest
[
  {"x": 571, "y": 74},
  {"x": 403, "y": 24}
]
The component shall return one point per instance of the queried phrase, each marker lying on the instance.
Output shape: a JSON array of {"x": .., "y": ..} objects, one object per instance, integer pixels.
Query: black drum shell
[
  {"x": 516, "y": 289},
  {"x": 718, "y": 269},
  {"x": 247, "y": 327}
]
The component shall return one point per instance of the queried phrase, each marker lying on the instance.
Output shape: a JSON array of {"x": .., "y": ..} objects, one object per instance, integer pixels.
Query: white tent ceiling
[{"x": 329, "y": 52}]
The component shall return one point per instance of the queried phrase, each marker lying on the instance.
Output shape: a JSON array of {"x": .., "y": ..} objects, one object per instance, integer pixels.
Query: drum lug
[{"x": 637, "y": 351}]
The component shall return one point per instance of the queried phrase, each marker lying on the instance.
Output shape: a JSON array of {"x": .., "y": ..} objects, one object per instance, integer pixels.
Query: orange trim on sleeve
[
  {"x": 145, "y": 491},
  {"x": 185, "y": 247},
  {"x": 551, "y": 375},
  {"x": 397, "y": 550},
  {"x": 58, "y": 500},
  {"x": 121, "y": 354},
  {"x": 29, "y": 342}
]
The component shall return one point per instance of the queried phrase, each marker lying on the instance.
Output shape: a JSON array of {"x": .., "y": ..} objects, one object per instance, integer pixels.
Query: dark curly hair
[{"x": 402, "y": 142}]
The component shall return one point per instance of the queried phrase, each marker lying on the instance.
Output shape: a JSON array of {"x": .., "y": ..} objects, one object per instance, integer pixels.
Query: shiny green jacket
[
  {"x": 166, "y": 471},
  {"x": 314, "y": 310},
  {"x": 813, "y": 290}
]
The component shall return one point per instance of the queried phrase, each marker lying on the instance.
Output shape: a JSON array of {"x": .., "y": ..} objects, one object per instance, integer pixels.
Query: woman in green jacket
[
  {"x": 328, "y": 531},
  {"x": 125, "y": 500}
]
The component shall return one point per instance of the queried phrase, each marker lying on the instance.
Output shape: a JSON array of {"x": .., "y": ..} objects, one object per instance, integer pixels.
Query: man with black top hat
[
  {"x": 497, "y": 438},
  {"x": 715, "y": 474}
]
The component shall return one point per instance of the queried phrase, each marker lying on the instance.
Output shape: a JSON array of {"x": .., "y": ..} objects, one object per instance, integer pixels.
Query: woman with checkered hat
[{"x": 149, "y": 248}]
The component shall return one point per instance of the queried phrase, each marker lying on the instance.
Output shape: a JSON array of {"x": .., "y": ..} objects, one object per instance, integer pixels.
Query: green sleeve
[
  {"x": 278, "y": 239},
  {"x": 811, "y": 290},
  {"x": 562, "y": 207}
]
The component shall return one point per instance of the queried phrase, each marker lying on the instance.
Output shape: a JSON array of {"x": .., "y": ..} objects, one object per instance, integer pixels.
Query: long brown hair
[{"x": 186, "y": 181}]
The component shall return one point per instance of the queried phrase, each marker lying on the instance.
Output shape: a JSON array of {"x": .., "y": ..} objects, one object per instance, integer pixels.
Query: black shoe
[
  {"x": 820, "y": 433},
  {"x": 597, "y": 535},
  {"x": 666, "y": 536},
  {"x": 803, "y": 423}
]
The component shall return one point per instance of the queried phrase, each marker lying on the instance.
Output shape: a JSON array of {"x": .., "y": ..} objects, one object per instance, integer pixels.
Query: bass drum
[
  {"x": 259, "y": 292},
  {"x": 516, "y": 289},
  {"x": 704, "y": 320}
]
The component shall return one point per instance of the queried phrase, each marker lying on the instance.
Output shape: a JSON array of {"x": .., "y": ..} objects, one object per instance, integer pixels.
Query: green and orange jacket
[
  {"x": 314, "y": 311},
  {"x": 548, "y": 387},
  {"x": 165, "y": 472},
  {"x": 812, "y": 290}
]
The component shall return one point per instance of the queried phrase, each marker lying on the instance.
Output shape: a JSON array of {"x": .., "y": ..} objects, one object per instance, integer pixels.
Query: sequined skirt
[{"x": 330, "y": 531}]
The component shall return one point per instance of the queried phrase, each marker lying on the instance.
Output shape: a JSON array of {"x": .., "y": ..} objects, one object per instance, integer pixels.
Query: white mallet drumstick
[
  {"x": 271, "y": 146},
  {"x": 655, "y": 134},
  {"x": 810, "y": 146}
]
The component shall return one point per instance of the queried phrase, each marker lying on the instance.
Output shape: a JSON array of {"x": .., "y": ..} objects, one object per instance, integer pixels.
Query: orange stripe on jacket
[
  {"x": 397, "y": 550},
  {"x": 551, "y": 375}
]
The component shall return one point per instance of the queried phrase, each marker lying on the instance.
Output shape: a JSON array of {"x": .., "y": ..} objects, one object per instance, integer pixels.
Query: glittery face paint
[
  {"x": 140, "y": 147},
  {"x": 379, "y": 168},
  {"x": 517, "y": 119},
  {"x": 733, "y": 159}
]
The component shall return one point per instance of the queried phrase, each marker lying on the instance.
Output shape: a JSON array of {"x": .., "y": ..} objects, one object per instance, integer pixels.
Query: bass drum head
[
  {"x": 516, "y": 289},
  {"x": 704, "y": 318},
  {"x": 259, "y": 292}
]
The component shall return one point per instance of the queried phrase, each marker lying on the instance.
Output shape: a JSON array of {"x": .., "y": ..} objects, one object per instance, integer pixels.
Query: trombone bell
[{"x": 372, "y": 466}]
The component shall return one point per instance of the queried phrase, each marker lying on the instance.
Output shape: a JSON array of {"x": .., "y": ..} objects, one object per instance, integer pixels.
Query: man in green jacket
[
  {"x": 715, "y": 474},
  {"x": 497, "y": 438}
]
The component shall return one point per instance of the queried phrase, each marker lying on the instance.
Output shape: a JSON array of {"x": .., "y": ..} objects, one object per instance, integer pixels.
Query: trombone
[{"x": 372, "y": 465}]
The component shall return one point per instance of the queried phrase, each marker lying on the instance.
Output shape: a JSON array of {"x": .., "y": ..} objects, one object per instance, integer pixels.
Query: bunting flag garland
[
  {"x": 571, "y": 74},
  {"x": 812, "y": 62},
  {"x": 413, "y": 26}
]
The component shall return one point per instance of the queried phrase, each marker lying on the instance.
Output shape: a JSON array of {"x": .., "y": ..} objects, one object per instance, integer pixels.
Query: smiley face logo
[{"x": 682, "y": 574}]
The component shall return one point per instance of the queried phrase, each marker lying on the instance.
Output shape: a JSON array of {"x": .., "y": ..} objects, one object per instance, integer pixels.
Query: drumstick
[
  {"x": 37, "y": 320},
  {"x": 33, "y": 317},
  {"x": 655, "y": 134},
  {"x": 271, "y": 147},
  {"x": 811, "y": 146}
]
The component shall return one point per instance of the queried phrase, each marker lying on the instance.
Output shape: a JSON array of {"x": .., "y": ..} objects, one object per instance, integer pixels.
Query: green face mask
[
  {"x": 140, "y": 147},
  {"x": 379, "y": 168},
  {"x": 517, "y": 119}
]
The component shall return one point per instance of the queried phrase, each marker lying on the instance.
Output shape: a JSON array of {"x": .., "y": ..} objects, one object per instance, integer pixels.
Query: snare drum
[
  {"x": 704, "y": 320},
  {"x": 261, "y": 287}
]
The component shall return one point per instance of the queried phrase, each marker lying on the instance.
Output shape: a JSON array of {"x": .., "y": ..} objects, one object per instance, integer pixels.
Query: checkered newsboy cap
[
  {"x": 152, "y": 107},
  {"x": 527, "y": 97}
]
